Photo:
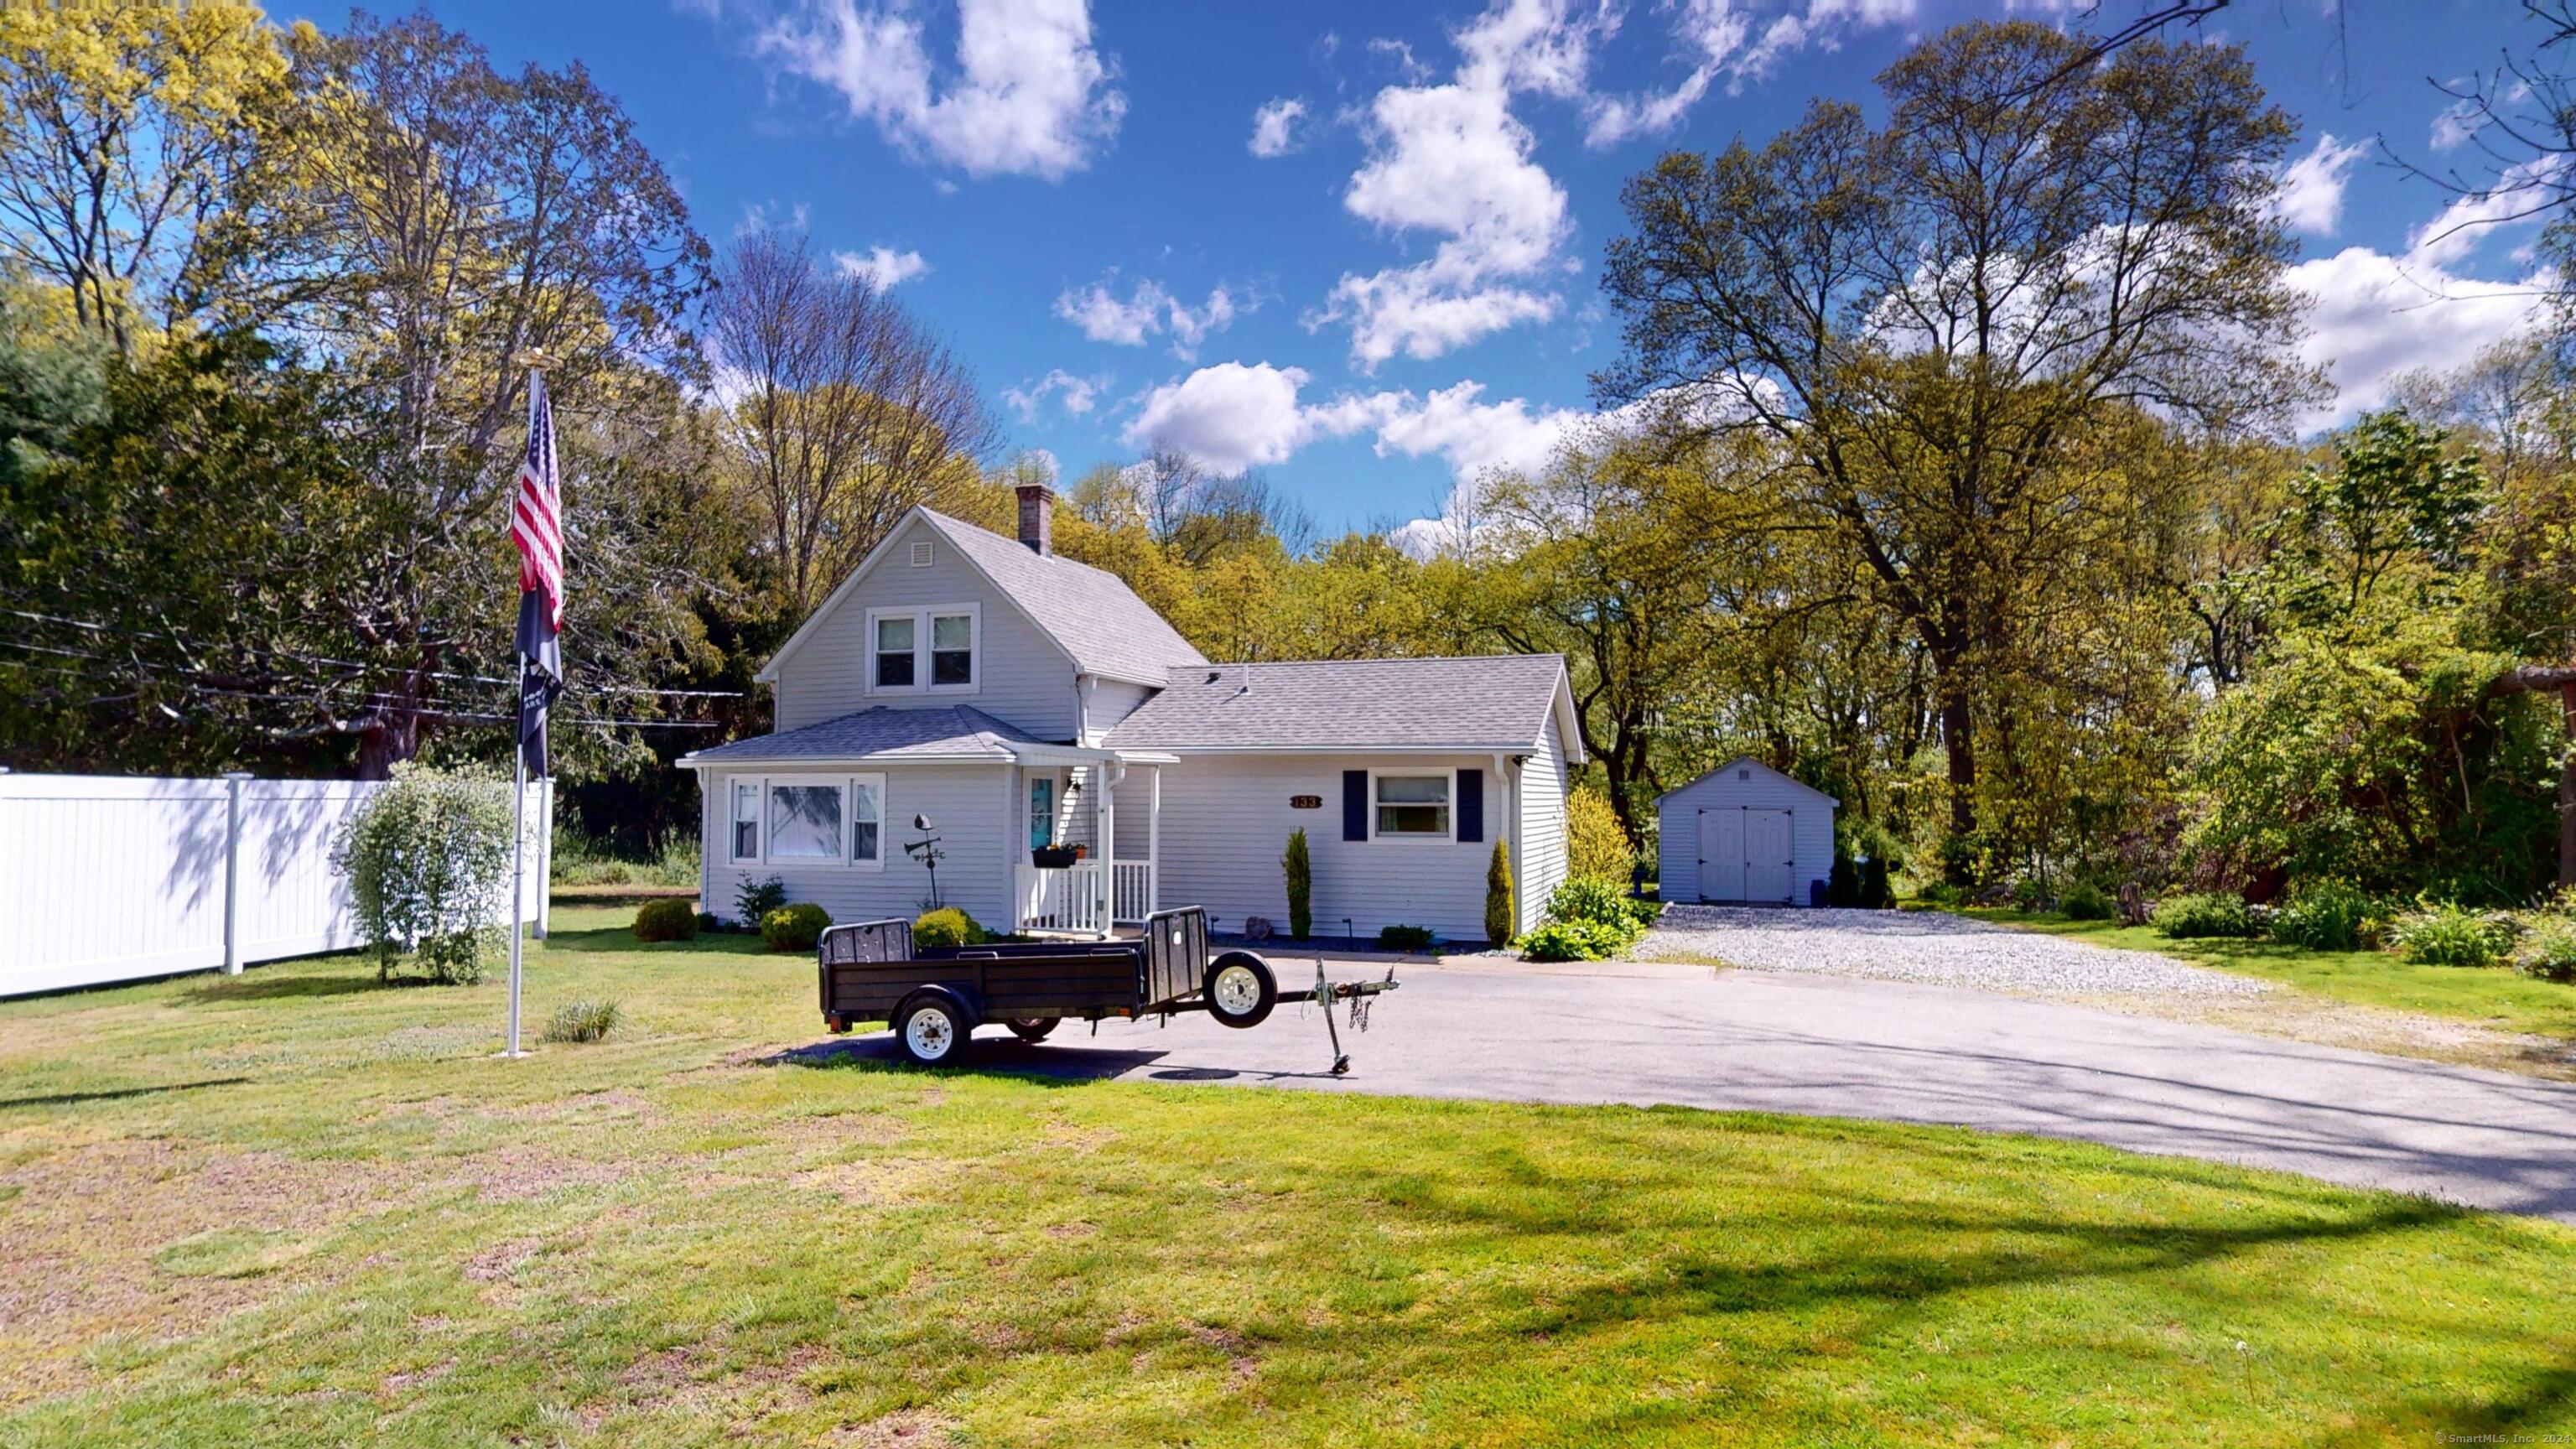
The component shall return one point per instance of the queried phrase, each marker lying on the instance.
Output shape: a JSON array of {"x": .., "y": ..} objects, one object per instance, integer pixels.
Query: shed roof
[
  {"x": 1741, "y": 760},
  {"x": 1496, "y": 702}
]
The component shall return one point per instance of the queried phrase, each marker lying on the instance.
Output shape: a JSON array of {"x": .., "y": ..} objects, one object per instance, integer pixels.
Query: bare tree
[{"x": 841, "y": 410}]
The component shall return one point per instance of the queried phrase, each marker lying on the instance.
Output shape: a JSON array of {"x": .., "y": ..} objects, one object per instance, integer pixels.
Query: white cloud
[
  {"x": 2375, "y": 317},
  {"x": 1076, "y": 395},
  {"x": 2519, "y": 195},
  {"x": 2454, "y": 124},
  {"x": 1030, "y": 95},
  {"x": 883, "y": 266},
  {"x": 1274, "y": 127},
  {"x": 1229, "y": 416},
  {"x": 1731, "y": 40},
  {"x": 2311, "y": 198},
  {"x": 1148, "y": 310}
]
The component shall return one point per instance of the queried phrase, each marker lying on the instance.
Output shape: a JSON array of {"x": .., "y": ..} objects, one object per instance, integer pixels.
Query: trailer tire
[
  {"x": 932, "y": 1028},
  {"x": 1032, "y": 1029},
  {"x": 1240, "y": 990}
]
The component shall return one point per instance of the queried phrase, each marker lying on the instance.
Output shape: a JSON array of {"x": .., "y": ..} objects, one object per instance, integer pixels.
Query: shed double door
[{"x": 1744, "y": 855}]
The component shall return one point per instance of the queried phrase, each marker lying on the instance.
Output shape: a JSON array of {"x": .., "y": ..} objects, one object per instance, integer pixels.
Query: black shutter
[
  {"x": 1471, "y": 805},
  {"x": 1355, "y": 804}
]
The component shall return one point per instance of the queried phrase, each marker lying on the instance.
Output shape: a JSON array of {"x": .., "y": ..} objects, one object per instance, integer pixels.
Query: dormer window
[{"x": 925, "y": 650}]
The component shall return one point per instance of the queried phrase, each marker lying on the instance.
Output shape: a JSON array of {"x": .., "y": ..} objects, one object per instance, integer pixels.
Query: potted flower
[{"x": 1054, "y": 857}]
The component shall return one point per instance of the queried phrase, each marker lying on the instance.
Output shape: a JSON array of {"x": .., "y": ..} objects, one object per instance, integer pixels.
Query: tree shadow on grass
[
  {"x": 277, "y": 986},
  {"x": 65, "y": 1099}
]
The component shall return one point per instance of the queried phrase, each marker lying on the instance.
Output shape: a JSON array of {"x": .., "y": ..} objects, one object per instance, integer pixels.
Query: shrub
[
  {"x": 2029, "y": 895},
  {"x": 1595, "y": 842},
  {"x": 427, "y": 859},
  {"x": 2085, "y": 901},
  {"x": 1942, "y": 893},
  {"x": 1875, "y": 894},
  {"x": 1404, "y": 938},
  {"x": 577, "y": 1021},
  {"x": 1589, "y": 898},
  {"x": 708, "y": 921},
  {"x": 1575, "y": 941},
  {"x": 1498, "y": 895},
  {"x": 2191, "y": 917},
  {"x": 2548, "y": 948},
  {"x": 669, "y": 919},
  {"x": 753, "y": 900},
  {"x": 2451, "y": 935},
  {"x": 1842, "y": 884},
  {"x": 796, "y": 927},
  {"x": 948, "y": 926},
  {"x": 1301, "y": 885},
  {"x": 2324, "y": 915},
  {"x": 1644, "y": 913}
]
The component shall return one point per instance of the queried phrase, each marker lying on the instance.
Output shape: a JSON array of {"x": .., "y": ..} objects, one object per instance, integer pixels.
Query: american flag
[{"x": 536, "y": 518}]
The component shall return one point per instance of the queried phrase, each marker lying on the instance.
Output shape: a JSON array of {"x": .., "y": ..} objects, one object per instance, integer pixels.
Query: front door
[
  {"x": 1721, "y": 855},
  {"x": 1767, "y": 869}
]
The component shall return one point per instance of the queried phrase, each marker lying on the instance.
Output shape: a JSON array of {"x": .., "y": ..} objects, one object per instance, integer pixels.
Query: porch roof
[{"x": 953, "y": 734}]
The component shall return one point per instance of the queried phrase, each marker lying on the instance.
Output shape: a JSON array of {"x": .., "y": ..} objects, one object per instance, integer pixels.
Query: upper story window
[
  {"x": 1413, "y": 805},
  {"x": 934, "y": 649}
]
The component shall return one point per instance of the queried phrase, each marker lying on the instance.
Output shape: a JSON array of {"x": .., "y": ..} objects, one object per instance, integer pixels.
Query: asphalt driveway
[{"x": 1825, "y": 1045}]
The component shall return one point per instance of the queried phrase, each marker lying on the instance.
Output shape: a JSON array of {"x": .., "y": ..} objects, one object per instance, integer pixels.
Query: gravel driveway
[{"x": 1923, "y": 946}]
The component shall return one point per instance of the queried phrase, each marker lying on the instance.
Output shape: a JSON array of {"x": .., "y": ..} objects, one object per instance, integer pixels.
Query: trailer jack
[{"x": 1360, "y": 994}]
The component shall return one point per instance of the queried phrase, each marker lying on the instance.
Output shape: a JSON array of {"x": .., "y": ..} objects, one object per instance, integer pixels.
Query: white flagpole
[{"x": 518, "y": 867}]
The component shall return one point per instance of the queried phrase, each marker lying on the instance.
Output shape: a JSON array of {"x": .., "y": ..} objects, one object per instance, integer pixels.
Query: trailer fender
[{"x": 1240, "y": 989}]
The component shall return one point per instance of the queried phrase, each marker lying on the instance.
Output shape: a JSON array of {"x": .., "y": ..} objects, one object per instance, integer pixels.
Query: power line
[{"x": 417, "y": 712}]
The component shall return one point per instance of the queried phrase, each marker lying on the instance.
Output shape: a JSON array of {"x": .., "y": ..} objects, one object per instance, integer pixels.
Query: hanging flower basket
[{"x": 1053, "y": 857}]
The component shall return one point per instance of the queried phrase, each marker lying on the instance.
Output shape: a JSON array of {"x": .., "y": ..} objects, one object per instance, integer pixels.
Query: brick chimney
[{"x": 1037, "y": 517}]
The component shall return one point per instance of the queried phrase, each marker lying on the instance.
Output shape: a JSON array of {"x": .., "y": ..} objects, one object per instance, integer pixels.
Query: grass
[
  {"x": 297, "y": 1208},
  {"x": 2496, "y": 996},
  {"x": 580, "y": 859}
]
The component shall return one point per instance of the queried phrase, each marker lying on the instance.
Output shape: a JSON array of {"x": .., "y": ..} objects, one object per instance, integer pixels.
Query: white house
[
  {"x": 1019, "y": 701},
  {"x": 1745, "y": 833}
]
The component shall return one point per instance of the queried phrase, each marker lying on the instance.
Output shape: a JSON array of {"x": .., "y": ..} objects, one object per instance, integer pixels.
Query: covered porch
[{"x": 1087, "y": 827}]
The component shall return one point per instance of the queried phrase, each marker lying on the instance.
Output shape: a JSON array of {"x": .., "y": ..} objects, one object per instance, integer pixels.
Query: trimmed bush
[
  {"x": 708, "y": 922},
  {"x": 2085, "y": 901},
  {"x": 1300, "y": 871},
  {"x": 1575, "y": 941},
  {"x": 796, "y": 927},
  {"x": 669, "y": 919},
  {"x": 1404, "y": 938},
  {"x": 1595, "y": 842},
  {"x": 1842, "y": 884},
  {"x": 427, "y": 859},
  {"x": 2325, "y": 915},
  {"x": 2548, "y": 948},
  {"x": 1498, "y": 895},
  {"x": 753, "y": 900},
  {"x": 947, "y": 926},
  {"x": 2452, "y": 935},
  {"x": 1875, "y": 893},
  {"x": 579, "y": 1021},
  {"x": 2196, "y": 917}
]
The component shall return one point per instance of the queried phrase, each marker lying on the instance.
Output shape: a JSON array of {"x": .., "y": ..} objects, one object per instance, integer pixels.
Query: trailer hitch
[{"x": 1360, "y": 994}]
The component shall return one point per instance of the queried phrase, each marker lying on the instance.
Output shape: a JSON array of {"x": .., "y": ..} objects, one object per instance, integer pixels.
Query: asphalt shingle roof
[
  {"x": 957, "y": 732},
  {"x": 1090, "y": 613},
  {"x": 1488, "y": 703}
]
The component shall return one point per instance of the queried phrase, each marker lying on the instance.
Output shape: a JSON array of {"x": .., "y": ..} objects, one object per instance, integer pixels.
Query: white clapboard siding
[
  {"x": 1107, "y": 701},
  {"x": 1541, "y": 843},
  {"x": 113, "y": 879},
  {"x": 973, "y": 809},
  {"x": 1226, "y": 820},
  {"x": 1021, "y": 677},
  {"x": 1739, "y": 785}
]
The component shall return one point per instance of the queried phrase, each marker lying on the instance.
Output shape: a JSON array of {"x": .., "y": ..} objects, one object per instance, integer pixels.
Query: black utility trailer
[{"x": 936, "y": 996}]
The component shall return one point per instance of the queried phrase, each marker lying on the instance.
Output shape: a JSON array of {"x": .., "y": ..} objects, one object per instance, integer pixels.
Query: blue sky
[{"x": 1357, "y": 246}]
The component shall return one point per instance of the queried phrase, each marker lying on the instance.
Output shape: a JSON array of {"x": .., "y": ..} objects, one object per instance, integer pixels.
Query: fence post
[{"x": 232, "y": 870}]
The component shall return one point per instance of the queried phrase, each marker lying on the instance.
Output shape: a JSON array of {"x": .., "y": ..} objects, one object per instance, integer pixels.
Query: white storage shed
[{"x": 1745, "y": 834}]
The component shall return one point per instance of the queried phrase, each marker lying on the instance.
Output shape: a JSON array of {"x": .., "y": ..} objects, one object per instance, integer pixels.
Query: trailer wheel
[
  {"x": 1032, "y": 1029},
  {"x": 1240, "y": 989},
  {"x": 931, "y": 1030}
]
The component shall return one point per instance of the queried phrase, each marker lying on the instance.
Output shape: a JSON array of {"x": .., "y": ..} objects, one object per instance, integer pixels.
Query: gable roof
[
  {"x": 1088, "y": 613},
  {"x": 956, "y": 732},
  {"x": 1781, "y": 775},
  {"x": 1470, "y": 705}
]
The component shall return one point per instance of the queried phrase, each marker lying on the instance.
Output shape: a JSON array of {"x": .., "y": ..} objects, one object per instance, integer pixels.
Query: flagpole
[{"x": 536, "y": 363}]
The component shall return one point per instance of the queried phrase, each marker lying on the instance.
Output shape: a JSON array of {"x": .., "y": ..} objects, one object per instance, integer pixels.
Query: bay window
[{"x": 807, "y": 821}]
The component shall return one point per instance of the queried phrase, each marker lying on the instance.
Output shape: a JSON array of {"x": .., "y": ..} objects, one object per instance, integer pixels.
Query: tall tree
[
  {"x": 843, "y": 412},
  {"x": 124, "y": 125},
  {"x": 1926, "y": 318}
]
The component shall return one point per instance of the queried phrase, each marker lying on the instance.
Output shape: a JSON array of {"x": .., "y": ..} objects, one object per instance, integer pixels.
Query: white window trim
[
  {"x": 848, "y": 786},
  {"x": 1416, "y": 772},
  {"x": 921, "y": 616}
]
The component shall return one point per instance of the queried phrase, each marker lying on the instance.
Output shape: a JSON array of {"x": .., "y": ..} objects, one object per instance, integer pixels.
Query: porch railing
[
  {"x": 1076, "y": 897},
  {"x": 1131, "y": 891}
]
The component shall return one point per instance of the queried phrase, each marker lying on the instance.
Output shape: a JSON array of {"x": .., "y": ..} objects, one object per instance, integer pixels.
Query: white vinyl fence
[{"x": 111, "y": 879}]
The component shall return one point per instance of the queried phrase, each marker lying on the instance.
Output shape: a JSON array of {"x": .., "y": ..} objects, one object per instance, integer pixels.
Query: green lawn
[
  {"x": 2496, "y": 996},
  {"x": 298, "y": 1208}
]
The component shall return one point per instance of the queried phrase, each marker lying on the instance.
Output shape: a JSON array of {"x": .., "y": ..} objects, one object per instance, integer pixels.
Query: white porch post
[
  {"x": 1104, "y": 828},
  {"x": 1154, "y": 845},
  {"x": 1012, "y": 854}
]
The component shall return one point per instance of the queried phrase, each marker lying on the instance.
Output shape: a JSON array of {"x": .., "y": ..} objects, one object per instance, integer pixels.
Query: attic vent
[
  {"x": 1744, "y": 774},
  {"x": 921, "y": 555}
]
